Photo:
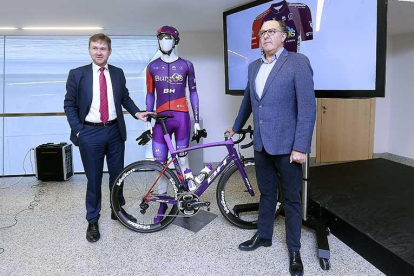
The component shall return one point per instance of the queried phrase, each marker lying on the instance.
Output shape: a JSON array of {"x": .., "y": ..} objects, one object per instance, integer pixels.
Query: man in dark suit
[
  {"x": 281, "y": 96},
  {"x": 95, "y": 95}
]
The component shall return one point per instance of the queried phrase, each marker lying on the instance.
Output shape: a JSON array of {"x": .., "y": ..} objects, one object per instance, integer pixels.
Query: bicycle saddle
[{"x": 160, "y": 116}]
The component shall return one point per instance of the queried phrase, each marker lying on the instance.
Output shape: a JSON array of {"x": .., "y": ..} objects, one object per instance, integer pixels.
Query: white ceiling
[
  {"x": 144, "y": 17},
  {"x": 119, "y": 16}
]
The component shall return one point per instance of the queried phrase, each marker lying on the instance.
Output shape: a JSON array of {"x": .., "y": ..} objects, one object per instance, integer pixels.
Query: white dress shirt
[
  {"x": 264, "y": 72},
  {"x": 94, "y": 115}
]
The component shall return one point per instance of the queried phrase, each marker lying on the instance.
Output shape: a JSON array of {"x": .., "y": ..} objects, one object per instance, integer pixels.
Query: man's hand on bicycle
[
  {"x": 143, "y": 116},
  {"x": 229, "y": 132}
]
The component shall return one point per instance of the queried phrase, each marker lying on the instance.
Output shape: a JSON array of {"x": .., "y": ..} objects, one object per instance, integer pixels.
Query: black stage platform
[{"x": 370, "y": 207}]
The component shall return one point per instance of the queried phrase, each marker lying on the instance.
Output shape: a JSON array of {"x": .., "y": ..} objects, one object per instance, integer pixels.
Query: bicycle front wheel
[
  {"x": 235, "y": 202},
  {"x": 130, "y": 188}
]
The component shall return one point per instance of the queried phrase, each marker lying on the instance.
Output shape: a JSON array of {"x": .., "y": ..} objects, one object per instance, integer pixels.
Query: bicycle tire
[
  {"x": 135, "y": 180},
  {"x": 234, "y": 201}
]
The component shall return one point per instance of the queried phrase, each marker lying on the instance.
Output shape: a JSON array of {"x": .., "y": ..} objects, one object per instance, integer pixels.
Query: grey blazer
[{"x": 284, "y": 116}]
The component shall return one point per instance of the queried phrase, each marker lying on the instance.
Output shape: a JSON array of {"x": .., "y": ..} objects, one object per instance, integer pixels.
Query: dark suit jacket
[
  {"x": 284, "y": 116},
  {"x": 78, "y": 98}
]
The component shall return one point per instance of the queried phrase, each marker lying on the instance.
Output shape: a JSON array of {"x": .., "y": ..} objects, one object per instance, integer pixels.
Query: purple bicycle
[{"x": 146, "y": 185}]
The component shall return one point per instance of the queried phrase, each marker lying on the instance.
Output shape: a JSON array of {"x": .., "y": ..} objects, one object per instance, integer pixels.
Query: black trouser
[
  {"x": 96, "y": 143},
  {"x": 267, "y": 169}
]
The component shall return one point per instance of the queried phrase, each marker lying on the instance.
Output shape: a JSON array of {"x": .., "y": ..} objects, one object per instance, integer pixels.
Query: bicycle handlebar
[{"x": 243, "y": 133}]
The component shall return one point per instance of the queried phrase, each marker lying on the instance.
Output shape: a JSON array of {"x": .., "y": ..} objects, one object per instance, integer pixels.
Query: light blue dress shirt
[{"x": 264, "y": 72}]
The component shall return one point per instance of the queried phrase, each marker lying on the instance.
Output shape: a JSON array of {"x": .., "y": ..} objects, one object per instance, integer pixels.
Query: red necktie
[{"x": 104, "y": 97}]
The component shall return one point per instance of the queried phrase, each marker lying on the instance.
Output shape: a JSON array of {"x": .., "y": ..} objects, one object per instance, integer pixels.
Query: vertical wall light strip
[
  {"x": 319, "y": 10},
  {"x": 4, "y": 97}
]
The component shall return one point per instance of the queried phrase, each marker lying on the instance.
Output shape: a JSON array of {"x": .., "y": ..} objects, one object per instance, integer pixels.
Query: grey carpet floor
[{"x": 49, "y": 239}]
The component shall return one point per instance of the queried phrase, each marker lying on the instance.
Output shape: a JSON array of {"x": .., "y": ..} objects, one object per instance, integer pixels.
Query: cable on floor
[{"x": 36, "y": 199}]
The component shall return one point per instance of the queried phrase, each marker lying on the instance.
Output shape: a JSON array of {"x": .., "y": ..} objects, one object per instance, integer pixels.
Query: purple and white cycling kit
[{"x": 169, "y": 81}]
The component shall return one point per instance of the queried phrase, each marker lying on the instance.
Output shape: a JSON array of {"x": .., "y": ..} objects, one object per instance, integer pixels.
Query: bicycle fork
[{"x": 243, "y": 173}]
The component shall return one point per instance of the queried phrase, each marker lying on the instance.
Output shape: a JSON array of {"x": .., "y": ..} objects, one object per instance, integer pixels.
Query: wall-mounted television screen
[{"x": 345, "y": 42}]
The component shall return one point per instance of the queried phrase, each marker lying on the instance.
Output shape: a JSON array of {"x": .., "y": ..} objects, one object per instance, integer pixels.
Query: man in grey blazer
[{"x": 281, "y": 96}]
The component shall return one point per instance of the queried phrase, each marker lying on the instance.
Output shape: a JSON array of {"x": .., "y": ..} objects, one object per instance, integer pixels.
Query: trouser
[
  {"x": 96, "y": 142},
  {"x": 272, "y": 170}
]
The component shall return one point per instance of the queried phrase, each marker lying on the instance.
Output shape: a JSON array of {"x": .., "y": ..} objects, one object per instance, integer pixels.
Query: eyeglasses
[
  {"x": 162, "y": 36},
  {"x": 270, "y": 32}
]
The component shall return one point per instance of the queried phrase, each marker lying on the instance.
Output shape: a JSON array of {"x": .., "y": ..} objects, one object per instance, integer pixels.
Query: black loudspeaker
[{"x": 54, "y": 162}]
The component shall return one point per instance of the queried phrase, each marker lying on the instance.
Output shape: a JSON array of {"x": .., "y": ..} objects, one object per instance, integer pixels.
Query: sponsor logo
[
  {"x": 156, "y": 68},
  {"x": 290, "y": 16},
  {"x": 217, "y": 171},
  {"x": 176, "y": 77},
  {"x": 157, "y": 150},
  {"x": 181, "y": 68},
  {"x": 298, "y": 5},
  {"x": 223, "y": 203},
  {"x": 248, "y": 183},
  {"x": 173, "y": 67},
  {"x": 166, "y": 91},
  {"x": 311, "y": 24},
  {"x": 180, "y": 105},
  {"x": 136, "y": 225},
  {"x": 163, "y": 67},
  {"x": 291, "y": 31},
  {"x": 309, "y": 33},
  {"x": 283, "y": 18},
  {"x": 161, "y": 78},
  {"x": 123, "y": 177},
  {"x": 162, "y": 200}
]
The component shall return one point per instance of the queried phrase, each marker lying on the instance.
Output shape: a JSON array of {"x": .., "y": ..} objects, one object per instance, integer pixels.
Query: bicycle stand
[{"x": 197, "y": 222}]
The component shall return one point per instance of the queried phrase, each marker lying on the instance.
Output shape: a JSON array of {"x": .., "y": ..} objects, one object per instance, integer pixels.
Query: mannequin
[{"x": 167, "y": 77}]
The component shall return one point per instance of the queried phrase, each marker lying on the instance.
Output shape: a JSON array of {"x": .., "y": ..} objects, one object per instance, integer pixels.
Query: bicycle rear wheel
[
  {"x": 134, "y": 182},
  {"x": 235, "y": 202}
]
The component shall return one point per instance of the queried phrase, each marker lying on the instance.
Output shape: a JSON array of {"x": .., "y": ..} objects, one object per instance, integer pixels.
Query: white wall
[
  {"x": 394, "y": 131},
  {"x": 205, "y": 51}
]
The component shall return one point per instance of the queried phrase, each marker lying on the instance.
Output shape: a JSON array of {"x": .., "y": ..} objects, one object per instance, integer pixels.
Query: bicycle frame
[{"x": 232, "y": 156}]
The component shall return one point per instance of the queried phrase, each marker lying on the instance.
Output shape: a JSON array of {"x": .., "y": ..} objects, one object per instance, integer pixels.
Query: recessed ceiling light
[
  {"x": 8, "y": 28},
  {"x": 62, "y": 28}
]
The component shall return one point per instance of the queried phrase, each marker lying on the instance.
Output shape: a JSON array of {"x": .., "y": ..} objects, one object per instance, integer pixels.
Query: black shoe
[
  {"x": 255, "y": 242},
  {"x": 295, "y": 265},
  {"x": 92, "y": 234},
  {"x": 130, "y": 217}
]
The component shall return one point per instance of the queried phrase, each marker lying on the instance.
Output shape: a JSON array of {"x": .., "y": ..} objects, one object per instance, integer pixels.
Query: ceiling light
[
  {"x": 62, "y": 28},
  {"x": 8, "y": 28}
]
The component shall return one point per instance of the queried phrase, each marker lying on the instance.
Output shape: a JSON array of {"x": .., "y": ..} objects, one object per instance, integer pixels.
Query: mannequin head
[
  {"x": 168, "y": 37},
  {"x": 166, "y": 42}
]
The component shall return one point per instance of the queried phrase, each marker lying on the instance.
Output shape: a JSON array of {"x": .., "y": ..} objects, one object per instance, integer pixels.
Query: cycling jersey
[
  {"x": 169, "y": 80},
  {"x": 298, "y": 20}
]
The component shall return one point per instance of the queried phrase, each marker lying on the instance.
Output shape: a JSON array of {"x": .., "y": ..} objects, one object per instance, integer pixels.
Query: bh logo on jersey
[
  {"x": 291, "y": 31},
  {"x": 166, "y": 91},
  {"x": 176, "y": 77}
]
